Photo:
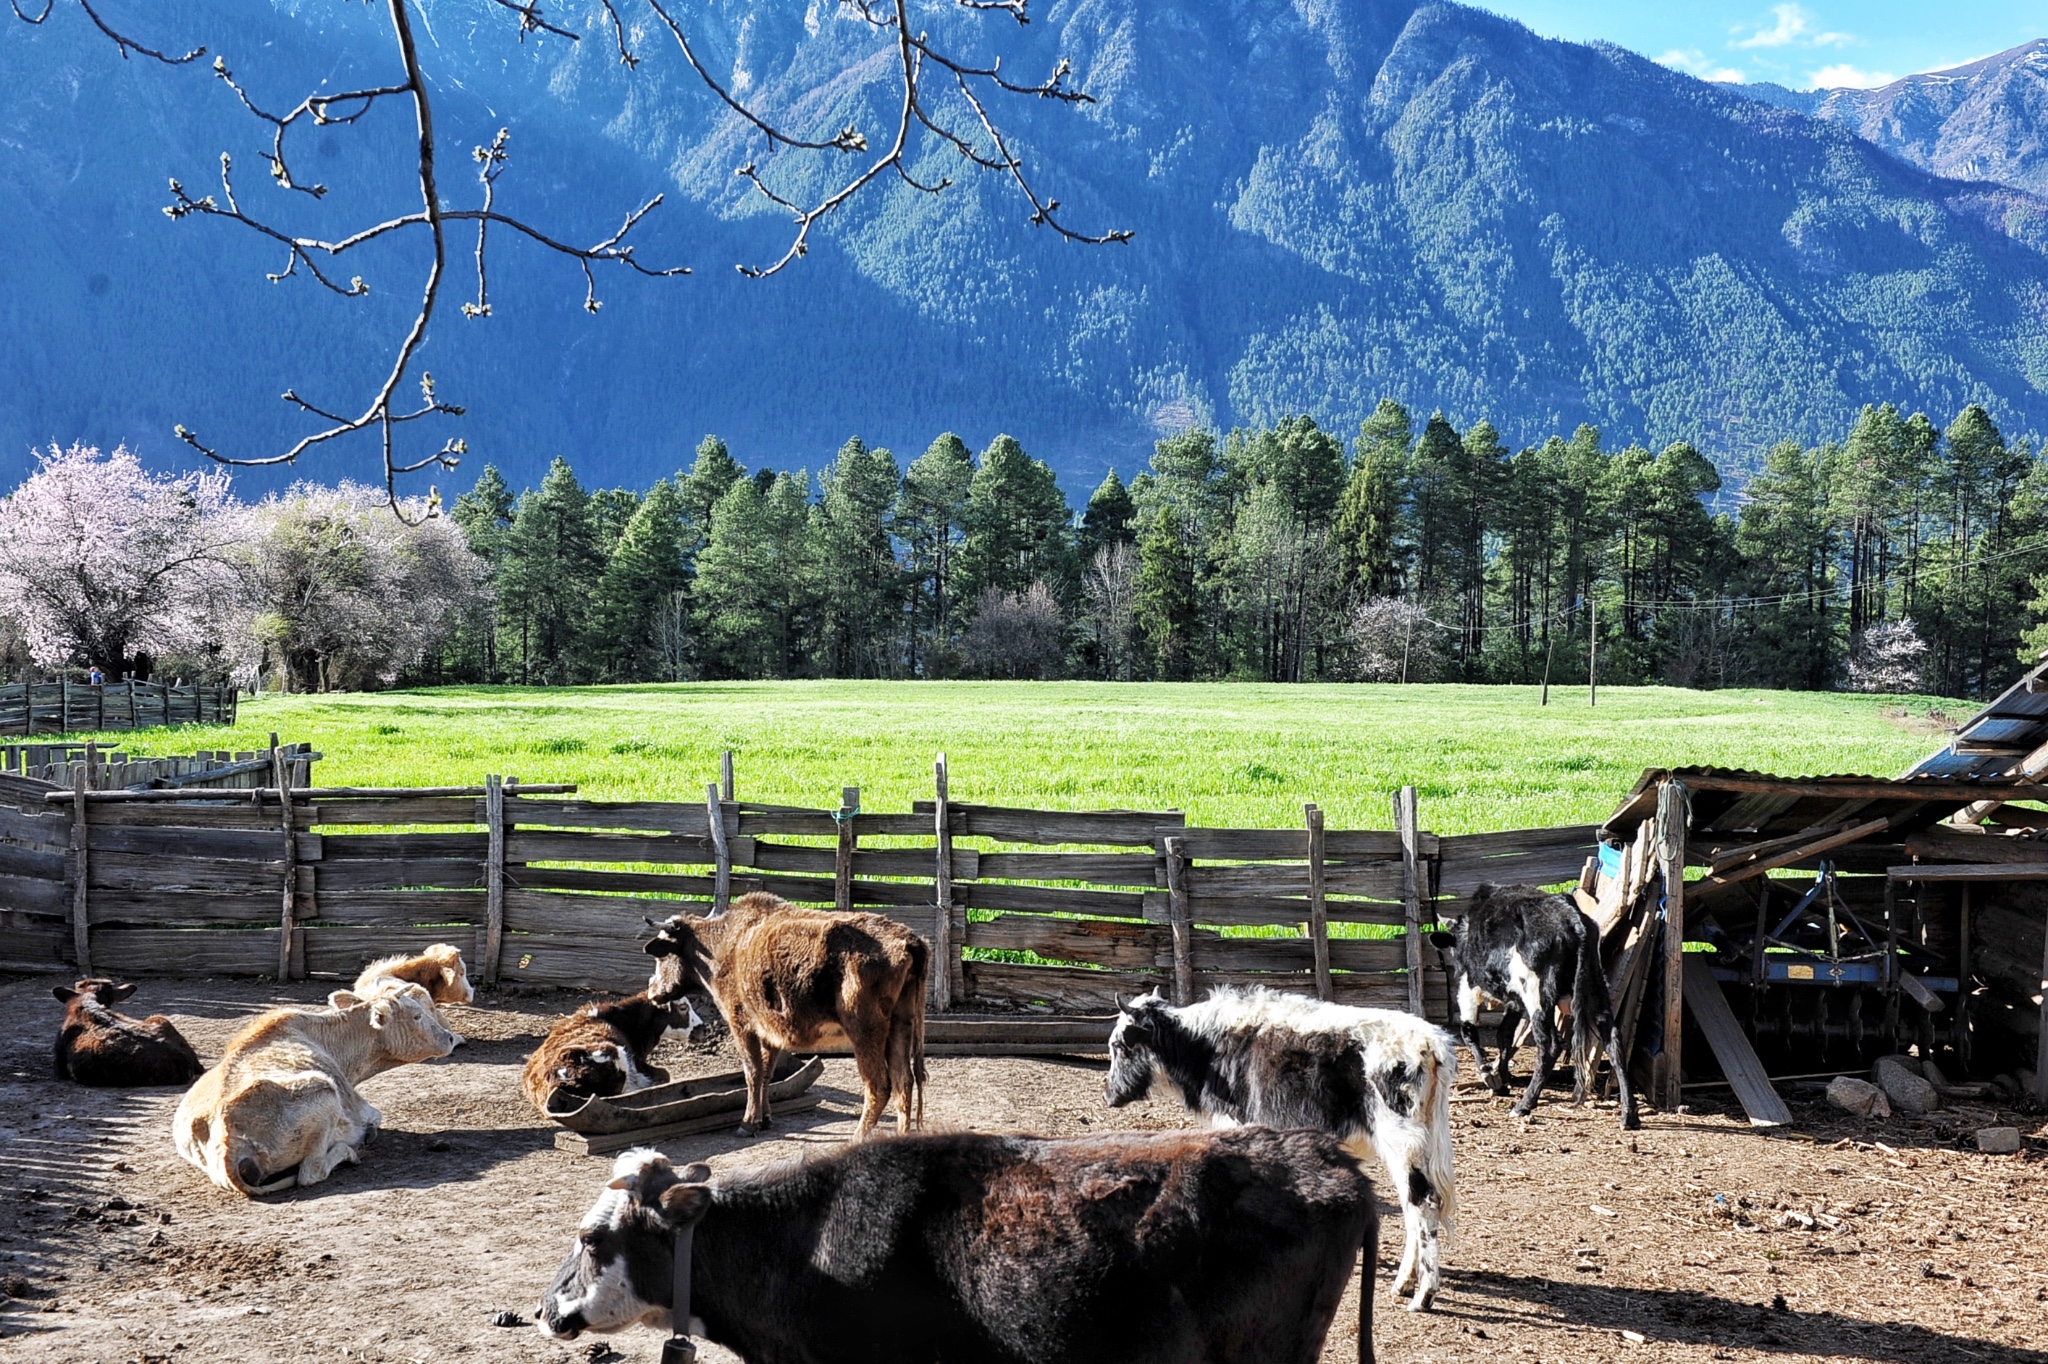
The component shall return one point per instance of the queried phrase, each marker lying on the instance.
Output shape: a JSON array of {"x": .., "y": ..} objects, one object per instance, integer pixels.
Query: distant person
[{"x": 95, "y": 677}]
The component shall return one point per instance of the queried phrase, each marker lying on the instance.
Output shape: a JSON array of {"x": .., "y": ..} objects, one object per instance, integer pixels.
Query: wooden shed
[{"x": 1839, "y": 918}]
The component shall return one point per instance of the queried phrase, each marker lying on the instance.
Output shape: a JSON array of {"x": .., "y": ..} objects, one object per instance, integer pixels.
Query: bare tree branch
[{"x": 918, "y": 124}]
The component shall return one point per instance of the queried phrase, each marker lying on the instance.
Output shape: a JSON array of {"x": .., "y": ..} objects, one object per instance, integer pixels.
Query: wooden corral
[
  {"x": 67, "y": 707},
  {"x": 543, "y": 888}
]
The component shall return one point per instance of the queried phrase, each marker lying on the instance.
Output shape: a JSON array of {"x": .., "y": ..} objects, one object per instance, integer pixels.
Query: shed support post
[
  {"x": 943, "y": 948},
  {"x": 1178, "y": 917},
  {"x": 81, "y": 928},
  {"x": 842, "y": 864},
  {"x": 494, "y": 875},
  {"x": 2040, "y": 1043},
  {"x": 721, "y": 850},
  {"x": 287, "y": 922},
  {"x": 1412, "y": 887},
  {"x": 1318, "y": 905},
  {"x": 1673, "y": 814}
]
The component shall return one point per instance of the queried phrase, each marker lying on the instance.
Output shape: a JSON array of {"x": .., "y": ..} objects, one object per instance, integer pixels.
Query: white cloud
[
  {"x": 1694, "y": 62},
  {"x": 1844, "y": 75},
  {"x": 1795, "y": 26}
]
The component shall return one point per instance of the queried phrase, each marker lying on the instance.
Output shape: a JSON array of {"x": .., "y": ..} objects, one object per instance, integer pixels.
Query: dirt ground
[{"x": 1696, "y": 1239}]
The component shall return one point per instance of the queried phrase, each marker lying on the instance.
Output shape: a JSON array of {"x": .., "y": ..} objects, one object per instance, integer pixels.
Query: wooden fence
[
  {"x": 113, "y": 770},
  {"x": 67, "y": 707},
  {"x": 541, "y": 887}
]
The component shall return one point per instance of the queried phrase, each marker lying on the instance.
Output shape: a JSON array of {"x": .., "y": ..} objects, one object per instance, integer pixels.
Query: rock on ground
[
  {"x": 1903, "y": 1084},
  {"x": 1860, "y": 1097}
]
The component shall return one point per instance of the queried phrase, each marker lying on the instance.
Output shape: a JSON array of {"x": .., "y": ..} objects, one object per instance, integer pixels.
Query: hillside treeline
[{"x": 1901, "y": 557}]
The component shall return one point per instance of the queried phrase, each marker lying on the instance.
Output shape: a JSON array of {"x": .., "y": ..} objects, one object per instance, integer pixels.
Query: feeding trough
[{"x": 708, "y": 1102}]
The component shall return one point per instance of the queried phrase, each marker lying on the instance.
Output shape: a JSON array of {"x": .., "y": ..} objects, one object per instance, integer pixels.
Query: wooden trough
[{"x": 707, "y": 1103}]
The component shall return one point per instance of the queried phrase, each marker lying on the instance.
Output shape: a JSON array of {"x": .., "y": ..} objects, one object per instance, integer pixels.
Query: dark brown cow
[
  {"x": 790, "y": 979},
  {"x": 96, "y": 1046},
  {"x": 596, "y": 1052}
]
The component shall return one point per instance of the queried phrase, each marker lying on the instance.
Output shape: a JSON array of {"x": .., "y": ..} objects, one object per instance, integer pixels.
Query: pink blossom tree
[{"x": 102, "y": 561}]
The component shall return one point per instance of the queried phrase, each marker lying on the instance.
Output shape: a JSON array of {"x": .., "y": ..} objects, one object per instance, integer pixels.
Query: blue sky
[{"x": 1816, "y": 43}]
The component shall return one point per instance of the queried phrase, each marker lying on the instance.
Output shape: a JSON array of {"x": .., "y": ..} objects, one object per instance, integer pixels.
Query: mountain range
[
  {"x": 1331, "y": 200},
  {"x": 1987, "y": 120}
]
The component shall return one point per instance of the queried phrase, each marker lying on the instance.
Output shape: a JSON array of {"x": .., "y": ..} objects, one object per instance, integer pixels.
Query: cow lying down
[
  {"x": 1229, "y": 1247},
  {"x": 281, "y": 1108},
  {"x": 96, "y": 1046},
  {"x": 601, "y": 1050},
  {"x": 439, "y": 970}
]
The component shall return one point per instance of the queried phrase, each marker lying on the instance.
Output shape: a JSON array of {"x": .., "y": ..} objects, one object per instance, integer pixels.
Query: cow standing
[
  {"x": 96, "y": 1046},
  {"x": 790, "y": 979},
  {"x": 1375, "y": 1079},
  {"x": 1140, "y": 1248},
  {"x": 1529, "y": 949}
]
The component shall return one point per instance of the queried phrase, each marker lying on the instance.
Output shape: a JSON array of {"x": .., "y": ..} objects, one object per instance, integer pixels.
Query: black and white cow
[
  {"x": 1375, "y": 1079},
  {"x": 1529, "y": 949},
  {"x": 1138, "y": 1248}
]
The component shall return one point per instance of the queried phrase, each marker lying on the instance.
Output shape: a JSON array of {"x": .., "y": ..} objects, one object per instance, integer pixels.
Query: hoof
[
  {"x": 1521, "y": 1110},
  {"x": 1630, "y": 1122},
  {"x": 1421, "y": 1301},
  {"x": 745, "y": 1129}
]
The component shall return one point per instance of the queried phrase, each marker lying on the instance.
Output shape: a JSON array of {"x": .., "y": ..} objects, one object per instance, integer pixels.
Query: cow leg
[
  {"x": 1630, "y": 1119},
  {"x": 1369, "y": 1264},
  {"x": 771, "y": 1057},
  {"x": 756, "y": 1116},
  {"x": 901, "y": 1083},
  {"x": 323, "y": 1162},
  {"x": 1504, "y": 1043},
  {"x": 871, "y": 1058},
  {"x": 1543, "y": 1033}
]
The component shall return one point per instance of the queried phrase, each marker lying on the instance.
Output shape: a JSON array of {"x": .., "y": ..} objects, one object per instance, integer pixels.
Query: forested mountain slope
[{"x": 1334, "y": 200}]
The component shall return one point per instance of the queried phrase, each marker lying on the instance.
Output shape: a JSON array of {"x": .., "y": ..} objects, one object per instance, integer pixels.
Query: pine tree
[
  {"x": 709, "y": 479},
  {"x": 1110, "y": 518},
  {"x": 1788, "y": 639},
  {"x": 551, "y": 564},
  {"x": 1369, "y": 512},
  {"x": 858, "y": 586},
  {"x": 484, "y": 514},
  {"x": 611, "y": 511},
  {"x": 1017, "y": 526},
  {"x": 931, "y": 514},
  {"x": 733, "y": 571},
  {"x": 648, "y": 565}
]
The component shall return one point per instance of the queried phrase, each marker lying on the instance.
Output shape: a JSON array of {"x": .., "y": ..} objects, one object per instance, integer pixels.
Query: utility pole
[{"x": 1593, "y": 654}]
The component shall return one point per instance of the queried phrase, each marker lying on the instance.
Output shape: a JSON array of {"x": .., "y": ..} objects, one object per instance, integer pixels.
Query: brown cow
[
  {"x": 790, "y": 979},
  {"x": 438, "y": 970},
  {"x": 96, "y": 1046},
  {"x": 598, "y": 1051}
]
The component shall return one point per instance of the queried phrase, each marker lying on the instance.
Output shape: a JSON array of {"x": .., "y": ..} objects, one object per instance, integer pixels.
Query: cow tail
[
  {"x": 1590, "y": 1007},
  {"x": 244, "y": 1175},
  {"x": 1437, "y": 1161},
  {"x": 921, "y": 986}
]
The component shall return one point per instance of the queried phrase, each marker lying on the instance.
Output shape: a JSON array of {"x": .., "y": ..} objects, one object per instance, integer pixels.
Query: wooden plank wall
[
  {"x": 1075, "y": 903},
  {"x": 67, "y": 707}
]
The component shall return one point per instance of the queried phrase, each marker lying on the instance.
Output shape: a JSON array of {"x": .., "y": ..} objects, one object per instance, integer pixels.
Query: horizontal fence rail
[
  {"x": 67, "y": 707},
  {"x": 1066, "y": 911}
]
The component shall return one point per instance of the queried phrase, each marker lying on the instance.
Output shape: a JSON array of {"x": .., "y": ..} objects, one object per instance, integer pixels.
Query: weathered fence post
[
  {"x": 943, "y": 950},
  {"x": 1673, "y": 815},
  {"x": 1412, "y": 888},
  {"x": 494, "y": 875},
  {"x": 1318, "y": 906},
  {"x": 714, "y": 813},
  {"x": 81, "y": 930},
  {"x": 64, "y": 701},
  {"x": 280, "y": 773},
  {"x": 842, "y": 864},
  {"x": 726, "y": 784},
  {"x": 1178, "y": 916}
]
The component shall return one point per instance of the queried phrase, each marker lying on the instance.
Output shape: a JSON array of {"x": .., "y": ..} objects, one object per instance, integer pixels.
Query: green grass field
[{"x": 1245, "y": 755}]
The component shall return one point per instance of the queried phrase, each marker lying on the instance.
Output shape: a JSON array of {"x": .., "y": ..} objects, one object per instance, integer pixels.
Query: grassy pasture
[{"x": 1244, "y": 755}]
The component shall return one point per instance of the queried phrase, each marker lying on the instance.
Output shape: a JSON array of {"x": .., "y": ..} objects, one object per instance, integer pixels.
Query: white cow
[{"x": 282, "y": 1109}]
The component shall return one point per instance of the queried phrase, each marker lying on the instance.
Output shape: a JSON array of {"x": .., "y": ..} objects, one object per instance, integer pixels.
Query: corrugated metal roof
[{"x": 2018, "y": 719}]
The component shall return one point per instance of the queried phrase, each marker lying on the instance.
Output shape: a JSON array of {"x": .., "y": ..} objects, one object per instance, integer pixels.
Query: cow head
[
  {"x": 94, "y": 989},
  {"x": 620, "y": 1270},
  {"x": 683, "y": 960},
  {"x": 448, "y": 980},
  {"x": 407, "y": 1028},
  {"x": 1133, "y": 1049},
  {"x": 585, "y": 1073}
]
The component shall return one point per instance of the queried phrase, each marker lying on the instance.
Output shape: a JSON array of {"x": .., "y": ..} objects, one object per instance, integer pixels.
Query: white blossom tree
[
  {"x": 1889, "y": 658},
  {"x": 106, "y": 564},
  {"x": 1111, "y": 587},
  {"x": 1393, "y": 641},
  {"x": 345, "y": 596}
]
